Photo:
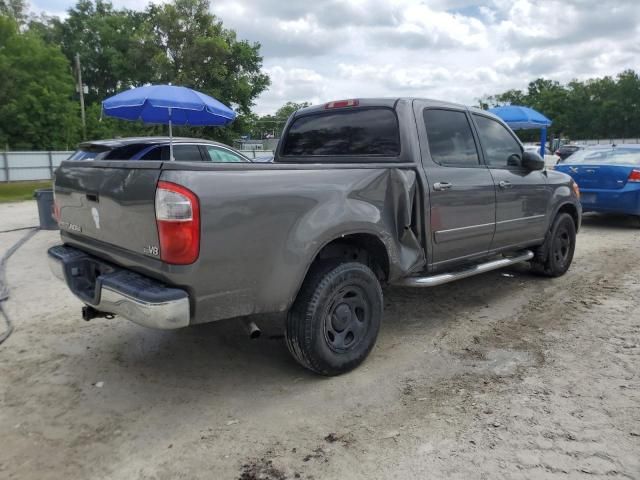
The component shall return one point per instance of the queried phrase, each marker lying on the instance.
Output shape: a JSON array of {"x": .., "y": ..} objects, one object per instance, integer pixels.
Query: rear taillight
[
  {"x": 178, "y": 219},
  {"x": 56, "y": 208},
  {"x": 634, "y": 176},
  {"x": 576, "y": 189}
]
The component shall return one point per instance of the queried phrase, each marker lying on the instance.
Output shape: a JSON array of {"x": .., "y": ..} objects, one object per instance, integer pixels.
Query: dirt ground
[{"x": 504, "y": 375}]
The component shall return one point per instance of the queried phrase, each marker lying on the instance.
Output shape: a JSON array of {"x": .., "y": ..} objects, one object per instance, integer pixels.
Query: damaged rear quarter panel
[{"x": 263, "y": 227}]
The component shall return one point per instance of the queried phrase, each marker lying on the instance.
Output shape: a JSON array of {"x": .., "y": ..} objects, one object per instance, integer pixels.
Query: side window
[
  {"x": 186, "y": 153},
  {"x": 450, "y": 138},
  {"x": 156, "y": 153},
  {"x": 223, "y": 156},
  {"x": 123, "y": 153},
  {"x": 501, "y": 150}
]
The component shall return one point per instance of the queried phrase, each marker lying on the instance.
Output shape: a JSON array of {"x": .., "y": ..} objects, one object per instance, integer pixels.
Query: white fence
[
  {"x": 16, "y": 166},
  {"x": 21, "y": 166}
]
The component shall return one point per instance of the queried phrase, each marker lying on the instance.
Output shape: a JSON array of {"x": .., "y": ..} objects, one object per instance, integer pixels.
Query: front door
[
  {"x": 461, "y": 192},
  {"x": 522, "y": 196}
]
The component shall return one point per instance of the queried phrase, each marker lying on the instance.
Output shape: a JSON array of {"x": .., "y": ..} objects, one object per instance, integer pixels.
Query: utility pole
[{"x": 81, "y": 92}]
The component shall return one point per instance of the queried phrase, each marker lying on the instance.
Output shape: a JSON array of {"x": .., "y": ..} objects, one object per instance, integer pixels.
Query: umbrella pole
[{"x": 170, "y": 139}]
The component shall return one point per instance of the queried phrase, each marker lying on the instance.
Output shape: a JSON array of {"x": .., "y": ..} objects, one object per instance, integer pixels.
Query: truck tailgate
[{"x": 110, "y": 201}]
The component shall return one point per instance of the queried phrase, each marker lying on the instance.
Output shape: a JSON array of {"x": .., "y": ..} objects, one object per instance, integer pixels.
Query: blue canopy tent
[{"x": 524, "y": 118}]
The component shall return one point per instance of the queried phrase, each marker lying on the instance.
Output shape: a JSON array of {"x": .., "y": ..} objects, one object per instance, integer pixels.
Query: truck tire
[
  {"x": 554, "y": 257},
  {"x": 334, "y": 321}
]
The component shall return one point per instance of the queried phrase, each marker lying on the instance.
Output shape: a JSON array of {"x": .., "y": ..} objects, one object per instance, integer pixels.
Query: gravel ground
[{"x": 504, "y": 375}]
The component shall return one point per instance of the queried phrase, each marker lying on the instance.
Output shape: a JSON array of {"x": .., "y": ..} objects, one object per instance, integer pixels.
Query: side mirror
[
  {"x": 514, "y": 160},
  {"x": 532, "y": 161}
]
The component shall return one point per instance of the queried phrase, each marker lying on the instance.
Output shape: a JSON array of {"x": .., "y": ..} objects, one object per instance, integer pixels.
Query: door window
[
  {"x": 187, "y": 153},
  {"x": 182, "y": 153},
  {"x": 156, "y": 153},
  {"x": 222, "y": 155},
  {"x": 450, "y": 138},
  {"x": 501, "y": 150}
]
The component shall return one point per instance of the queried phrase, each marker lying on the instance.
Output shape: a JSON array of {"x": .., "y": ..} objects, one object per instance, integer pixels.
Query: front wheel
[
  {"x": 334, "y": 321},
  {"x": 554, "y": 258}
]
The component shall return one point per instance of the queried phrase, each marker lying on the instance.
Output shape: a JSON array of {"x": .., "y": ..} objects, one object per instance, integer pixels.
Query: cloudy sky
[{"x": 457, "y": 50}]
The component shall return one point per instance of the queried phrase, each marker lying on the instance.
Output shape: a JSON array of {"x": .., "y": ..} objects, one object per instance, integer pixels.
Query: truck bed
[{"x": 261, "y": 224}]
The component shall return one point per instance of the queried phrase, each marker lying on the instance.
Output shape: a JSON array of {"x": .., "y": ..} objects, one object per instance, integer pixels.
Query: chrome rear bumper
[{"x": 118, "y": 291}]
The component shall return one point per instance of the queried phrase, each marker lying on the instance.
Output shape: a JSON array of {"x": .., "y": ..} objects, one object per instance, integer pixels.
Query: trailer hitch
[{"x": 88, "y": 313}]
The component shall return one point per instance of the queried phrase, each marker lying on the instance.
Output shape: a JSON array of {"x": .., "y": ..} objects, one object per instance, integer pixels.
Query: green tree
[
  {"x": 604, "y": 107},
  {"x": 285, "y": 111},
  {"x": 627, "y": 99},
  {"x": 194, "y": 49},
  {"x": 179, "y": 42},
  {"x": 113, "y": 52},
  {"x": 16, "y": 9},
  {"x": 511, "y": 97},
  {"x": 36, "y": 111},
  {"x": 273, "y": 124}
]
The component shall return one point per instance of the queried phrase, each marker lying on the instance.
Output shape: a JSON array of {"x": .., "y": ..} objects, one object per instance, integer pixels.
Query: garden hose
[{"x": 4, "y": 288}]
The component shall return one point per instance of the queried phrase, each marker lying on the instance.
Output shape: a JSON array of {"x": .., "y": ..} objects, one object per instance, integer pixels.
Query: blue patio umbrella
[
  {"x": 523, "y": 118},
  {"x": 168, "y": 104}
]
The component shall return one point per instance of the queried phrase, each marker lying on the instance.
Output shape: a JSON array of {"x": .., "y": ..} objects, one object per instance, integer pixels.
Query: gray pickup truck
[{"x": 361, "y": 193}]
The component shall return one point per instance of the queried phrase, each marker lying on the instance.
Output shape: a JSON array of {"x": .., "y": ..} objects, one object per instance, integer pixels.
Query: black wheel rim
[
  {"x": 347, "y": 320},
  {"x": 561, "y": 246}
]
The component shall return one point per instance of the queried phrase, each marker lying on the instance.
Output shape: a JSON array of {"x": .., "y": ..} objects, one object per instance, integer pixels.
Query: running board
[{"x": 442, "y": 278}]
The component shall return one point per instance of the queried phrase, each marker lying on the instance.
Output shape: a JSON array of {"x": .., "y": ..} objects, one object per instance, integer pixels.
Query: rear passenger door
[
  {"x": 461, "y": 192},
  {"x": 522, "y": 196}
]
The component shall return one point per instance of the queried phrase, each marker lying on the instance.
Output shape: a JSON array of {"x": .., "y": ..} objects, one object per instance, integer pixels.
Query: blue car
[{"x": 608, "y": 177}]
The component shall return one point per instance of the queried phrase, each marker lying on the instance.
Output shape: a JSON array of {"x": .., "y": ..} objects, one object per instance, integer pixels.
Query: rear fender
[{"x": 382, "y": 204}]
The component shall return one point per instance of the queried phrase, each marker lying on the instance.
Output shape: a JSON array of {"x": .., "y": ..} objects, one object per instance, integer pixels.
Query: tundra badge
[{"x": 70, "y": 226}]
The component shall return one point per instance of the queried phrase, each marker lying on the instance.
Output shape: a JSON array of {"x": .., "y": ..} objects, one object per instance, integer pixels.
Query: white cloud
[{"x": 449, "y": 49}]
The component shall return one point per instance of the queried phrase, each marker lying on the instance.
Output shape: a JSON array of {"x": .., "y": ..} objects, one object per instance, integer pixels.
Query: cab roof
[
  {"x": 124, "y": 141},
  {"x": 388, "y": 102}
]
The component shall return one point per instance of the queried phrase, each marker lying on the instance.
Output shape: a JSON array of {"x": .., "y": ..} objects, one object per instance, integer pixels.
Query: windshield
[{"x": 613, "y": 156}]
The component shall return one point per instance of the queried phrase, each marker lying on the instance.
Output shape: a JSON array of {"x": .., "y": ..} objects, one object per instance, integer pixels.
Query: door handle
[
  {"x": 504, "y": 184},
  {"x": 442, "y": 186}
]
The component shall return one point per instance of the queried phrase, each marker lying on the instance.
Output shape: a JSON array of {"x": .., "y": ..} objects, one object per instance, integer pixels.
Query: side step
[{"x": 441, "y": 278}]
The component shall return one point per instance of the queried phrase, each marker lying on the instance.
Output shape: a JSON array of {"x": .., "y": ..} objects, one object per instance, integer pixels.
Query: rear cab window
[{"x": 361, "y": 131}]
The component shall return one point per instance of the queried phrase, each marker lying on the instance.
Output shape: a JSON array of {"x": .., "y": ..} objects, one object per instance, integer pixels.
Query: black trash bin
[{"x": 44, "y": 197}]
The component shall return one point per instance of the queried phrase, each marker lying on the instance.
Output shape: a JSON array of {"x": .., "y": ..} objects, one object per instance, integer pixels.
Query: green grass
[{"x": 17, "y": 191}]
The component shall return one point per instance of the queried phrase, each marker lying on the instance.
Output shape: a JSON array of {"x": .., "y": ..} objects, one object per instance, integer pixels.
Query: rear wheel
[
  {"x": 334, "y": 322},
  {"x": 554, "y": 257}
]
